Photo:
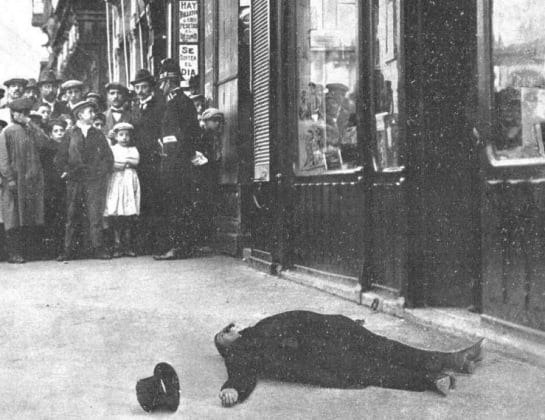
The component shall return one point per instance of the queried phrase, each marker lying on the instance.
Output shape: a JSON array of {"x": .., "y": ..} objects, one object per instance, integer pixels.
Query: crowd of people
[{"x": 79, "y": 180}]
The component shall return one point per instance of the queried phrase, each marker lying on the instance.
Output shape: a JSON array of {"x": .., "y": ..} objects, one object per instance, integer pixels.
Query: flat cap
[
  {"x": 71, "y": 84},
  {"x": 15, "y": 80},
  {"x": 210, "y": 113},
  {"x": 21, "y": 104},
  {"x": 123, "y": 126},
  {"x": 116, "y": 86},
  {"x": 83, "y": 104}
]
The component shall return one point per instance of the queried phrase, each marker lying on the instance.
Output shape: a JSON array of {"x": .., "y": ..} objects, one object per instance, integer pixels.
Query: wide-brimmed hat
[
  {"x": 83, "y": 104},
  {"x": 210, "y": 113},
  {"x": 21, "y": 104},
  {"x": 116, "y": 86},
  {"x": 160, "y": 391},
  {"x": 15, "y": 80},
  {"x": 48, "y": 76},
  {"x": 123, "y": 126},
  {"x": 169, "y": 69},
  {"x": 72, "y": 84},
  {"x": 142, "y": 76}
]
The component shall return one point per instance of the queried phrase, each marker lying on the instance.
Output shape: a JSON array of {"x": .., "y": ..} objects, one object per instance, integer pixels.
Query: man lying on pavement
[{"x": 331, "y": 351}]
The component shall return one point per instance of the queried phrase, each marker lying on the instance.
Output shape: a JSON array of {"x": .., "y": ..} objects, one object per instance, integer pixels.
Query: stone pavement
[{"x": 75, "y": 337}]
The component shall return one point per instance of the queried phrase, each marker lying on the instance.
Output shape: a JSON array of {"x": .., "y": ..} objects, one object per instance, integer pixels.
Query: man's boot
[
  {"x": 13, "y": 243},
  {"x": 128, "y": 248}
]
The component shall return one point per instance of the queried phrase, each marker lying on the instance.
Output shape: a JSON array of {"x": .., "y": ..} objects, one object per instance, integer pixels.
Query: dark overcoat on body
[{"x": 330, "y": 351}]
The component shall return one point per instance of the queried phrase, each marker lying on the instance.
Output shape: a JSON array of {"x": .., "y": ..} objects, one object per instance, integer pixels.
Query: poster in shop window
[{"x": 189, "y": 21}]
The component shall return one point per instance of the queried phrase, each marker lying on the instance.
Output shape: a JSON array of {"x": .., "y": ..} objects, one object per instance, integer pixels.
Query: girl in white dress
[{"x": 123, "y": 197}]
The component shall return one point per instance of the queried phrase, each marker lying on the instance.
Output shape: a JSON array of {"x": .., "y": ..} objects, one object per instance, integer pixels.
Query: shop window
[
  {"x": 518, "y": 60},
  {"x": 386, "y": 106},
  {"x": 327, "y": 60}
]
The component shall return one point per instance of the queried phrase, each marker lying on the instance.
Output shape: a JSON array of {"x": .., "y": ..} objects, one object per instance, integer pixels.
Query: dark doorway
[{"x": 444, "y": 265}]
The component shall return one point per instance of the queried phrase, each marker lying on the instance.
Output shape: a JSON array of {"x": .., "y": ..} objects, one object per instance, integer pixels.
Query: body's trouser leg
[{"x": 409, "y": 357}]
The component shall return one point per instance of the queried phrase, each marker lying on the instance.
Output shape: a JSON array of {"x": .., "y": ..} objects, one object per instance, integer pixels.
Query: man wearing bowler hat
[
  {"x": 85, "y": 160},
  {"x": 147, "y": 117},
  {"x": 179, "y": 133},
  {"x": 49, "y": 85},
  {"x": 15, "y": 90},
  {"x": 22, "y": 179}
]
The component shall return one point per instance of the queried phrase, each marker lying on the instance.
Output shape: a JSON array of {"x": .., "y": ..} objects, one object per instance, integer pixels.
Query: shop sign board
[{"x": 189, "y": 21}]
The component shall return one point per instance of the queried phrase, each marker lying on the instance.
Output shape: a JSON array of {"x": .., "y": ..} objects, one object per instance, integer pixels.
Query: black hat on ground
[
  {"x": 142, "y": 76},
  {"x": 169, "y": 69},
  {"x": 160, "y": 392}
]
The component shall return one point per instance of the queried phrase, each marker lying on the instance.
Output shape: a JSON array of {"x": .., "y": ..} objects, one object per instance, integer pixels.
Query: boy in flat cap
[
  {"x": 86, "y": 161},
  {"x": 22, "y": 180},
  {"x": 180, "y": 132},
  {"x": 206, "y": 173},
  {"x": 73, "y": 90}
]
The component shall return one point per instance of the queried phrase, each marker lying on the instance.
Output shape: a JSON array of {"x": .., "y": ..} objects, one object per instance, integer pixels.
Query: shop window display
[
  {"x": 327, "y": 70},
  {"x": 518, "y": 59}
]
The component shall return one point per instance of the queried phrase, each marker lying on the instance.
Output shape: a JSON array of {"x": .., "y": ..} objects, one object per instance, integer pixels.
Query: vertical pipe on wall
[
  {"x": 169, "y": 29},
  {"x": 108, "y": 39},
  {"x": 125, "y": 41}
]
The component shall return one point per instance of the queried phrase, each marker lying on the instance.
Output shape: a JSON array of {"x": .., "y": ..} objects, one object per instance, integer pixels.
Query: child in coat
[{"x": 123, "y": 196}]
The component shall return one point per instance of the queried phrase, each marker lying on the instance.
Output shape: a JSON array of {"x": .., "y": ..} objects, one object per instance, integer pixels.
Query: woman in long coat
[{"x": 22, "y": 178}]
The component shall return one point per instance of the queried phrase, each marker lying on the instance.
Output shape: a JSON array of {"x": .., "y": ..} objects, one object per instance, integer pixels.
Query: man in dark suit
[
  {"x": 179, "y": 132},
  {"x": 117, "y": 112},
  {"x": 330, "y": 351},
  {"x": 147, "y": 116},
  {"x": 48, "y": 84},
  {"x": 86, "y": 161}
]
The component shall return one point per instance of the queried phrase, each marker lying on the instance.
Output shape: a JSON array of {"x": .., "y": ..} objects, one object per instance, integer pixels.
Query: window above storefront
[{"x": 518, "y": 83}]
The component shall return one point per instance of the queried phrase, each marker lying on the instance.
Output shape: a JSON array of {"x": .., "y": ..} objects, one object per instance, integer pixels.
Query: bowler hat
[
  {"x": 82, "y": 104},
  {"x": 14, "y": 80},
  {"x": 72, "y": 84},
  {"x": 21, "y": 104},
  {"x": 116, "y": 86},
  {"x": 48, "y": 77},
  {"x": 169, "y": 69},
  {"x": 160, "y": 391},
  {"x": 142, "y": 76}
]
